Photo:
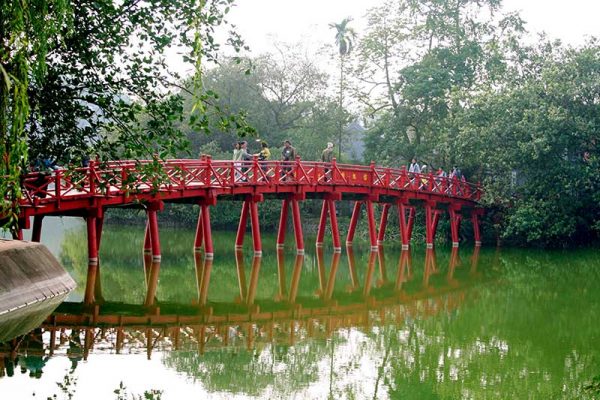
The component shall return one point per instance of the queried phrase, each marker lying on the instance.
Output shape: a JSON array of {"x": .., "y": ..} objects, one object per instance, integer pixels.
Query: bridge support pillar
[
  {"x": 152, "y": 233},
  {"x": 322, "y": 223},
  {"x": 406, "y": 222},
  {"x": 241, "y": 232},
  {"x": 147, "y": 251},
  {"x": 328, "y": 209},
  {"x": 250, "y": 206},
  {"x": 432, "y": 217},
  {"x": 282, "y": 223},
  {"x": 476, "y": 226},
  {"x": 36, "y": 235},
  {"x": 455, "y": 219},
  {"x": 335, "y": 231},
  {"x": 383, "y": 224},
  {"x": 256, "y": 240},
  {"x": 199, "y": 238},
  {"x": 353, "y": 223},
  {"x": 297, "y": 227},
  {"x": 207, "y": 231},
  {"x": 88, "y": 297},
  {"x": 370, "y": 220},
  {"x": 372, "y": 227}
]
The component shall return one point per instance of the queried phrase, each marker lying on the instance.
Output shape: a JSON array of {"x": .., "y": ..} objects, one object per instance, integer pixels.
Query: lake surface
[{"x": 477, "y": 324}]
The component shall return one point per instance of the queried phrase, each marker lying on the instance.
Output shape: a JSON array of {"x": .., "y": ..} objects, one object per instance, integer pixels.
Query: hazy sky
[{"x": 291, "y": 20}]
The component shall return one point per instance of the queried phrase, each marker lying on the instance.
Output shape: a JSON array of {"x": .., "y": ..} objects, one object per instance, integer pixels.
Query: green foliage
[
  {"x": 26, "y": 29},
  {"x": 468, "y": 88}
]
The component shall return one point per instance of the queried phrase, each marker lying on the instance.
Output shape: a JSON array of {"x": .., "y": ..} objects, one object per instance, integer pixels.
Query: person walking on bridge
[
  {"x": 288, "y": 154},
  {"x": 414, "y": 167},
  {"x": 327, "y": 157}
]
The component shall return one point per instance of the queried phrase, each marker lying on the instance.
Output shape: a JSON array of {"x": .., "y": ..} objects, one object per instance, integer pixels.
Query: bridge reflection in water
[{"x": 416, "y": 292}]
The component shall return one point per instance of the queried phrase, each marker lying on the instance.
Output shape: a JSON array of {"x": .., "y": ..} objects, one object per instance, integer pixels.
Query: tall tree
[
  {"x": 344, "y": 39},
  {"x": 109, "y": 87},
  {"x": 27, "y": 30}
]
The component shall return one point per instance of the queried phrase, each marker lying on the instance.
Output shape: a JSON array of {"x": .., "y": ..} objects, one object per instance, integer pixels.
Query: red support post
[
  {"x": 154, "y": 237},
  {"x": 92, "y": 260},
  {"x": 476, "y": 228},
  {"x": 406, "y": 223},
  {"x": 199, "y": 238},
  {"x": 147, "y": 252},
  {"x": 256, "y": 240},
  {"x": 208, "y": 242},
  {"x": 36, "y": 235},
  {"x": 297, "y": 227},
  {"x": 455, "y": 219},
  {"x": 241, "y": 232},
  {"x": 432, "y": 216},
  {"x": 383, "y": 223},
  {"x": 147, "y": 240},
  {"x": 282, "y": 224},
  {"x": 322, "y": 223},
  {"x": 353, "y": 222},
  {"x": 99, "y": 226},
  {"x": 335, "y": 231},
  {"x": 372, "y": 228}
]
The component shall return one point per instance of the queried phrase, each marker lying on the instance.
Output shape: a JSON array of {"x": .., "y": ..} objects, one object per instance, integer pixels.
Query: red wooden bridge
[{"x": 88, "y": 192}]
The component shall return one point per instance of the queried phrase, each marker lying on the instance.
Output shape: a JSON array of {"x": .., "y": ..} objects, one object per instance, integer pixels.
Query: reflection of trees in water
[{"x": 280, "y": 368}]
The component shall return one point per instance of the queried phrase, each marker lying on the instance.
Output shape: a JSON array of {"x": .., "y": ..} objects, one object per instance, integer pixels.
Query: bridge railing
[{"x": 128, "y": 177}]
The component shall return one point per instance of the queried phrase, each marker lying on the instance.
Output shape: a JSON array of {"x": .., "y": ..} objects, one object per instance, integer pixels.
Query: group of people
[{"x": 415, "y": 168}]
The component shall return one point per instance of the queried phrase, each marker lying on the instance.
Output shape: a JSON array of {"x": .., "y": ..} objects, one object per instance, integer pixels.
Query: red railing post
[
  {"x": 208, "y": 170},
  {"x": 333, "y": 169},
  {"x": 373, "y": 174},
  {"x": 277, "y": 177},
  {"x": 297, "y": 170},
  {"x": 57, "y": 188},
  {"x": 255, "y": 168},
  {"x": 403, "y": 177},
  {"x": 91, "y": 173},
  {"x": 431, "y": 182}
]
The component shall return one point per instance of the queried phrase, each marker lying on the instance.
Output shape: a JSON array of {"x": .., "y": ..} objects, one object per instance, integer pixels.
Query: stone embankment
[{"x": 29, "y": 274}]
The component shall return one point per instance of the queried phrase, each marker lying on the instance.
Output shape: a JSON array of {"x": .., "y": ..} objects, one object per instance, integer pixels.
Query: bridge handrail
[{"x": 124, "y": 176}]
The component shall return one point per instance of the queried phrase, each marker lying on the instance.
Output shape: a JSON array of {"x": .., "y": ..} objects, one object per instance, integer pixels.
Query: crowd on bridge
[{"x": 289, "y": 153}]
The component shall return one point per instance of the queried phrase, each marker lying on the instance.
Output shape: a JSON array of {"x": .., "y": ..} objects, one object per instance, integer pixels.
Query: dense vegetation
[{"x": 452, "y": 82}]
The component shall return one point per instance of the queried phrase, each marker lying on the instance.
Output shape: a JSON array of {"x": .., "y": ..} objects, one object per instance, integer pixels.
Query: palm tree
[{"x": 344, "y": 39}]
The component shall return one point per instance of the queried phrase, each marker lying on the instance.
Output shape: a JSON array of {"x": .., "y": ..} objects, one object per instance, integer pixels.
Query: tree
[
  {"x": 344, "y": 39},
  {"x": 416, "y": 56},
  {"x": 26, "y": 31},
  {"x": 545, "y": 180},
  {"x": 108, "y": 87}
]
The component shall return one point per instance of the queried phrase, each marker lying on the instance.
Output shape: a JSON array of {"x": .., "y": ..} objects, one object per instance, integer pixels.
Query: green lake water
[{"x": 477, "y": 324}]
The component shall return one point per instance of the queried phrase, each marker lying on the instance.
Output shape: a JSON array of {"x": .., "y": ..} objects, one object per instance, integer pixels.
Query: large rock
[{"x": 29, "y": 274}]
